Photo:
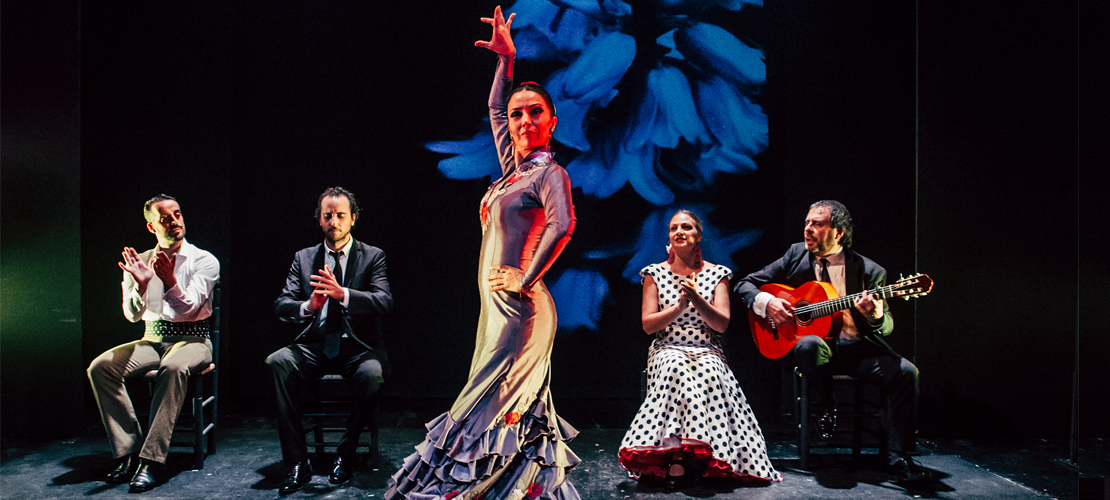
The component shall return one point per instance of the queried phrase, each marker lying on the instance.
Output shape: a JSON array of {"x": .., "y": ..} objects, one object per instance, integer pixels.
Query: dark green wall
[{"x": 42, "y": 376}]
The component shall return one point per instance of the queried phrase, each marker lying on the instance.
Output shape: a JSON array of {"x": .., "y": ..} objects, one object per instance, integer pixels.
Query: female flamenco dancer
[
  {"x": 695, "y": 421},
  {"x": 502, "y": 439}
]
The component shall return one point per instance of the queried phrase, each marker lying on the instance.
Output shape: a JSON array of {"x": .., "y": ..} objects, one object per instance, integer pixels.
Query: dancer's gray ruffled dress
[{"x": 502, "y": 439}]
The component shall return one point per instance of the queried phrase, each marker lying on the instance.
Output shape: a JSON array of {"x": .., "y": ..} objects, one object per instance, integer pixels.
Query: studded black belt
[{"x": 159, "y": 328}]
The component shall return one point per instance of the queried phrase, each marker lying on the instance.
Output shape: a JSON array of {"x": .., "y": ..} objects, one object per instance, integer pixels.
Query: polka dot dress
[{"x": 693, "y": 400}]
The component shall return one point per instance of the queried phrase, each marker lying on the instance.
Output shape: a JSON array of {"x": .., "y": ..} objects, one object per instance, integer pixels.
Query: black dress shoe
[
  {"x": 902, "y": 468},
  {"x": 298, "y": 476},
  {"x": 144, "y": 479},
  {"x": 124, "y": 471},
  {"x": 826, "y": 422},
  {"x": 341, "y": 470}
]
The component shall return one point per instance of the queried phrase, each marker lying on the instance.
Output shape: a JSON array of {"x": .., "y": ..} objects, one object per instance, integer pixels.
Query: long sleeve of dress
[
  {"x": 554, "y": 195},
  {"x": 498, "y": 111}
]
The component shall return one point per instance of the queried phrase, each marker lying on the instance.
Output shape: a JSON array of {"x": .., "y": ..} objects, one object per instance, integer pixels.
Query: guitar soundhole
[{"x": 802, "y": 319}]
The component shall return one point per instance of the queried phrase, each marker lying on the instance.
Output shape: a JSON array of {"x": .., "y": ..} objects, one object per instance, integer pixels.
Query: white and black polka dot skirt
[{"x": 694, "y": 402}]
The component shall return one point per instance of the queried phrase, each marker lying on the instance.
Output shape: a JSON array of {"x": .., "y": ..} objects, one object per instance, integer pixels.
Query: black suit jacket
[
  {"x": 796, "y": 267},
  {"x": 364, "y": 276}
]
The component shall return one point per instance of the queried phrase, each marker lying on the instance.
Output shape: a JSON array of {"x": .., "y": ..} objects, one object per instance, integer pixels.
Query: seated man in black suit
[
  {"x": 826, "y": 255},
  {"x": 339, "y": 290}
]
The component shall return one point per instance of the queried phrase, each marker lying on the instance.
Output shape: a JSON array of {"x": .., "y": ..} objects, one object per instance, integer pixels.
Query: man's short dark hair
[
  {"x": 337, "y": 191},
  {"x": 839, "y": 218},
  {"x": 149, "y": 203}
]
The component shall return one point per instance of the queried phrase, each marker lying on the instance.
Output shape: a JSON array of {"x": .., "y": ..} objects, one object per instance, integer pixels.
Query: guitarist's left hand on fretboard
[{"x": 870, "y": 306}]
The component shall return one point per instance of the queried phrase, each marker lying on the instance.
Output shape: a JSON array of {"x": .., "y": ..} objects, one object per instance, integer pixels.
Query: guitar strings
[
  {"x": 830, "y": 306},
  {"x": 840, "y": 303}
]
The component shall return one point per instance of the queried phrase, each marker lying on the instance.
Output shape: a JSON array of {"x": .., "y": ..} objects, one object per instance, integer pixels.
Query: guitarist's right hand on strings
[{"x": 780, "y": 311}]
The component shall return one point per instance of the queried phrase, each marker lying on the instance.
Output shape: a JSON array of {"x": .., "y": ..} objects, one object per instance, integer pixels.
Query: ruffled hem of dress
[
  {"x": 449, "y": 460},
  {"x": 653, "y": 460}
]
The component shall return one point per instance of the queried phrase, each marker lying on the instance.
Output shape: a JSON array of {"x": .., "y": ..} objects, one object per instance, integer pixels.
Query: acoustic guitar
[{"x": 814, "y": 304}]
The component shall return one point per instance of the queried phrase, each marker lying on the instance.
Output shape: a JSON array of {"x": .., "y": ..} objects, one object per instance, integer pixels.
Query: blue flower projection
[
  {"x": 653, "y": 94},
  {"x": 579, "y": 295},
  {"x": 651, "y": 245},
  {"x": 474, "y": 158}
]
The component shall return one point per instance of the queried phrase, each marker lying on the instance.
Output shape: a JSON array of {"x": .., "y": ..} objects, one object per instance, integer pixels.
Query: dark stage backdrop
[
  {"x": 998, "y": 220},
  {"x": 247, "y": 112},
  {"x": 40, "y": 248}
]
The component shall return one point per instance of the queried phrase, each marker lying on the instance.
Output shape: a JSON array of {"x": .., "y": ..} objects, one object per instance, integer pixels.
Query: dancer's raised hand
[{"x": 501, "y": 41}]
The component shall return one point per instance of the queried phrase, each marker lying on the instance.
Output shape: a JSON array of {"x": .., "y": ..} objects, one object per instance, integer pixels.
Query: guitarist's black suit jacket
[
  {"x": 796, "y": 267},
  {"x": 365, "y": 279}
]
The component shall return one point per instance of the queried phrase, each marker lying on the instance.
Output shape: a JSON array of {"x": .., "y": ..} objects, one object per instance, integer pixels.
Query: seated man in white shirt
[{"x": 169, "y": 287}]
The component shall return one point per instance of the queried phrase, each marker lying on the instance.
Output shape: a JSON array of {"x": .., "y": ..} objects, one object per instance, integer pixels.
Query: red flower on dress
[
  {"x": 534, "y": 491},
  {"x": 451, "y": 495},
  {"x": 512, "y": 418}
]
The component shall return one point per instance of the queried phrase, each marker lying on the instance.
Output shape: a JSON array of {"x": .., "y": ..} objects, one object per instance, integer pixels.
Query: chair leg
[
  {"x": 801, "y": 413},
  {"x": 317, "y": 420},
  {"x": 212, "y": 432},
  {"x": 198, "y": 433},
  {"x": 884, "y": 431},
  {"x": 375, "y": 454},
  {"x": 374, "y": 416},
  {"x": 857, "y": 421},
  {"x": 198, "y": 424}
]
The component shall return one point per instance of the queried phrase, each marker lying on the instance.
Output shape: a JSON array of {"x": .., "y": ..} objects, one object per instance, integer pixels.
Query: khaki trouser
[{"x": 176, "y": 358}]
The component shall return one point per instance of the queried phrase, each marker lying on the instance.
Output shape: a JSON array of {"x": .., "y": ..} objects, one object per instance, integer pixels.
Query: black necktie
[
  {"x": 333, "y": 324},
  {"x": 825, "y": 271}
]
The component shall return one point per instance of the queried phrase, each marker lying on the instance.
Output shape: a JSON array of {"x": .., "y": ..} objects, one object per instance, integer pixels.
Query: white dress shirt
[{"x": 189, "y": 300}]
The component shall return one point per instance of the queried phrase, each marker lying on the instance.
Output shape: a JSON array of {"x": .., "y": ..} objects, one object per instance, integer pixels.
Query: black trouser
[
  {"x": 302, "y": 362},
  {"x": 868, "y": 362}
]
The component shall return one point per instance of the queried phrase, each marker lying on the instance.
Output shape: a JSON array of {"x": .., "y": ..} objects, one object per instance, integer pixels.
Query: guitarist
[{"x": 858, "y": 349}]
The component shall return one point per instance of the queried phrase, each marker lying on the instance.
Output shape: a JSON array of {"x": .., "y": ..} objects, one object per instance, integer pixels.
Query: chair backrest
[{"x": 214, "y": 319}]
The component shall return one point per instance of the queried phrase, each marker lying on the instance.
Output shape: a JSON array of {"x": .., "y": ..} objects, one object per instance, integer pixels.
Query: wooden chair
[
  {"x": 328, "y": 409},
  {"x": 862, "y": 414}
]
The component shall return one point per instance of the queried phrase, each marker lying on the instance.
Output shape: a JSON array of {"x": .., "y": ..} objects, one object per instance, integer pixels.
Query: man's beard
[{"x": 338, "y": 236}]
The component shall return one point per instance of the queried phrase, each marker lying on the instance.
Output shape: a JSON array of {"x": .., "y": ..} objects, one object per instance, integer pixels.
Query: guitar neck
[{"x": 838, "y": 304}]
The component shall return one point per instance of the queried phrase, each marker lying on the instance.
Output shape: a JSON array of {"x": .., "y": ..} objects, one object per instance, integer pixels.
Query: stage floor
[{"x": 248, "y": 465}]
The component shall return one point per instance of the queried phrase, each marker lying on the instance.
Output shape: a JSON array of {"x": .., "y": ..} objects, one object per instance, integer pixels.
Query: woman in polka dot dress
[{"x": 695, "y": 420}]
